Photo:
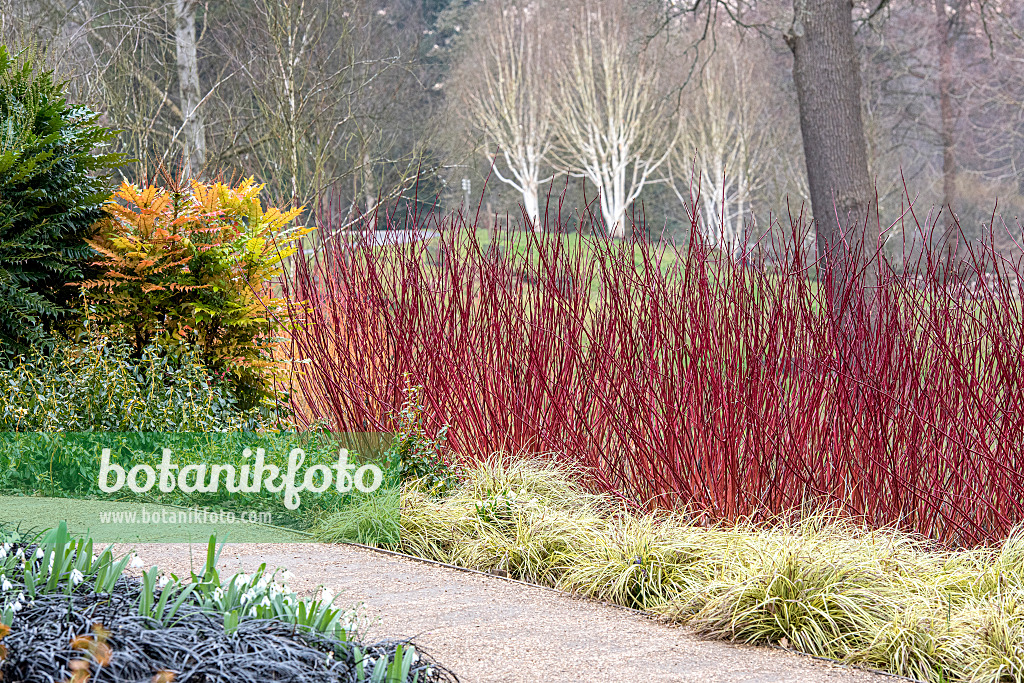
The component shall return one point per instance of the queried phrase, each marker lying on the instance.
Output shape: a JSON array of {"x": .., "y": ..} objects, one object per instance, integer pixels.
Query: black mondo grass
[
  {"x": 196, "y": 648},
  {"x": 69, "y": 615}
]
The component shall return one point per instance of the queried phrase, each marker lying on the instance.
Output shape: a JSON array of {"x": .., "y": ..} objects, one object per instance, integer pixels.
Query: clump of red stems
[{"x": 735, "y": 386}]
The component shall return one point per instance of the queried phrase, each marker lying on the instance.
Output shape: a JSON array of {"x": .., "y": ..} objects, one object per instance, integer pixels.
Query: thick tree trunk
[
  {"x": 827, "y": 78},
  {"x": 531, "y": 203},
  {"x": 193, "y": 131},
  {"x": 613, "y": 204}
]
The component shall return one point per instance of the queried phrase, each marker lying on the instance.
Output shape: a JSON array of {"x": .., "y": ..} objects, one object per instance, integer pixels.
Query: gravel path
[{"x": 487, "y": 629}]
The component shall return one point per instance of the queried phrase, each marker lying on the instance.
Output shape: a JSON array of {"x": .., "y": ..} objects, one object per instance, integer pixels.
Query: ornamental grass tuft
[{"x": 823, "y": 585}]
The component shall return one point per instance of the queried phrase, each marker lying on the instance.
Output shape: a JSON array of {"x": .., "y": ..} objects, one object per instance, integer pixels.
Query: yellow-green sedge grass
[
  {"x": 528, "y": 543},
  {"x": 639, "y": 561},
  {"x": 822, "y": 585},
  {"x": 908, "y": 644},
  {"x": 817, "y": 603},
  {"x": 985, "y": 641},
  {"x": 552, "y": 484}
]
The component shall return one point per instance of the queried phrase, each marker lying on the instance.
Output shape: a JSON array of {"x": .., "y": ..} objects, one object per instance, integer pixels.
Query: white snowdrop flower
[
  {"x": 381, "y": 12},
  {"x": 136, "y": 562},
  {"x": 5, "y": 584},
  {"x": 3, "y": 550},
  {"x": 263, "y": 583},
  {"x": 265, "y": 602},
  {"x": 76, "y": 577},
  {"x": 16, "y": 607},
  {"x": 20, "y": 554},
  {"x": 327, "y": 595},
  {"x": 242, "y": 578},
  {"x": 39, "y": 554},
  {"x": 287, "y": 576},
  {"x": 162, "y": 582},
  {"x": 218, "y": 593},
  {"x": 50, "y": 568}
]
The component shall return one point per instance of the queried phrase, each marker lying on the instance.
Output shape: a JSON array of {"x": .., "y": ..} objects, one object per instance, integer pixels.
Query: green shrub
[
  {"x": 58, "y": 409},
  {"x": 52, "y": 189},
  {"x": 102, "y": 386},
  {"x": 417, "y": 456}
]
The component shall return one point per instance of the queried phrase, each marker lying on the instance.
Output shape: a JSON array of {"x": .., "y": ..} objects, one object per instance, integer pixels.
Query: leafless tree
[
  {"x": 613, "y": 121},
  {"x": 726, "y": 141},
  {"x": 331, "y": 86},
  {"x": 944, "y": 28},
  {"x": 504, "y": 90},
  {"x": 303, "y": 95}
]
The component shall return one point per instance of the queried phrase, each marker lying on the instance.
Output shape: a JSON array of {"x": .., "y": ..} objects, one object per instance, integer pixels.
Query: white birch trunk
[
  {"x": 531, "y": 203},
  {"x": 193, "y": 130},
  {"x": 369, "y": 189}
]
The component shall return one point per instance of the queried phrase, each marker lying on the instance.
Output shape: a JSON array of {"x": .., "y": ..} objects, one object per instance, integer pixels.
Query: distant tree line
[{"x": 665, "y": 106}]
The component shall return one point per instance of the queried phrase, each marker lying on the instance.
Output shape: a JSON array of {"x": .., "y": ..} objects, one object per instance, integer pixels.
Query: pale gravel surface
[{"x": 489, "y": 630}]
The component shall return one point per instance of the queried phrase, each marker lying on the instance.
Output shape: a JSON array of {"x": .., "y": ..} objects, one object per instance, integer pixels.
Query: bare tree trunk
[
  {"x": 946, "y": 102},
  {"x": 369, "y": 190},
  {"x": 944, "y": 41},
  {"x": 615, "y": 204},
  {"x": 531, "y": 203},
  {"x": 827, "y": 79},
  {"x": 828, "y": 85},
  {"x": 192, "y": 127}
]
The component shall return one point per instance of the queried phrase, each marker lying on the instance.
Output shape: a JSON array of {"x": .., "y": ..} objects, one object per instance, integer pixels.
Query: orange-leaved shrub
[{"x": 193, "y": 266}]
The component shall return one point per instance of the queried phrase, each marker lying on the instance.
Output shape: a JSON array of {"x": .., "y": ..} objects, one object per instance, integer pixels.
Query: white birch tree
[
  {"x": 506, "y": 96},
  {"x": 724, "y": 143},
  {"x": 613, "y": 122}
]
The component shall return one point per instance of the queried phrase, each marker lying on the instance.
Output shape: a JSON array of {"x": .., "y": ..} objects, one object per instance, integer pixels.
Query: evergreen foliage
[{"x": 53, "y": 183}]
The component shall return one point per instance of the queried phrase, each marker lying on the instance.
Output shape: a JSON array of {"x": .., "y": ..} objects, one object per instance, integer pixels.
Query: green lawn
[{"x": 115, "y": 522}]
